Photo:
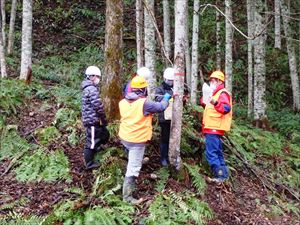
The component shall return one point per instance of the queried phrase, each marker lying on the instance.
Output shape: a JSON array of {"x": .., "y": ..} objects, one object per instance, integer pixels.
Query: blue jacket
[
  {"x": 92, "y": 108},
  {"x": 159, "y": 92}
]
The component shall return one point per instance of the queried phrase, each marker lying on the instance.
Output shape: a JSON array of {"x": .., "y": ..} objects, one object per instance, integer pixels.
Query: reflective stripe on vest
[
  {"x": 212, "y": 119},
  {"x": 134, "y": 127}
]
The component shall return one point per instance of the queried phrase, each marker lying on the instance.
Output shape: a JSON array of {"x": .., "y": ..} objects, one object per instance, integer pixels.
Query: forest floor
[{"x": 241, "y": 200}]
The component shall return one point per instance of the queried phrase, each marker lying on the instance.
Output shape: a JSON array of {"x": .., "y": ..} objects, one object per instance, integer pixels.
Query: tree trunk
[
  {"x": 113, "y": 68},
  {"x": 228, "y": 46},
  {"x": 3, "y": 21},
  {"x": 2, "y": 56},
  {"x": 250, "y": 57},
  {"x": 187, "y": 50},
  {"x": 139, "y": 33},
  {"x": 277, "y": 25},
  {"x": 194, "y": 72},
  {"x": 259, "y": 64},
  {"x": 150, "y": 46},
  {"x": 180, "y": 23},
  {"x": 292, "y": 56},
  {"x": 11, "y": 33},
  {"x": 167, "y": 31},
  {"x": 26, "y": 55},
  {"x": 218, "y": 30}
]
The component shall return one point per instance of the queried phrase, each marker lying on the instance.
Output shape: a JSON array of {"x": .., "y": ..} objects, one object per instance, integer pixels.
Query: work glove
[{"x": 167, "y": 97}]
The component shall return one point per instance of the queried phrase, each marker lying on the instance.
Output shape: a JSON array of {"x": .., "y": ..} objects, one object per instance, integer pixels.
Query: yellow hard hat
[
  {"x": 218, "y": 74},
  {"x": 139, "y": 82}
]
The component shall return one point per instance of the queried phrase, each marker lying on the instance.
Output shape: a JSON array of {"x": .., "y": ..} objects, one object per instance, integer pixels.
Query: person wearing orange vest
[
  {"x": 136, "y": 129},
  {"x": 217, "y": 118}
]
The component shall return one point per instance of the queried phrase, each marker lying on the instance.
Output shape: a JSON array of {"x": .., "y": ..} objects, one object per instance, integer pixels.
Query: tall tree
[
  {"x": 218, "y": 37},
  {"x": 26, "y": 55},
  {"x": 187, "y": 50},
  {"x": 139, "y": 33},
  {"x": 3, "y": 21},
  {"x": 113, "y": 68},
  {"x": 11, "y": 33},
  {"x": 150, "y": 44},
  {"x": 2, "y": 55},
  {"x": 259, "y": 64},
  {"x": 277, "y": 25},
  {"x": 180, "y": 23},
  {"x": 250, "y": 56},
  {"x": 167, "y": 31},
  {"x": 228, "y": 46},
  {"x": 292, "y": 56},
  {"x": 194, "y": 71}
]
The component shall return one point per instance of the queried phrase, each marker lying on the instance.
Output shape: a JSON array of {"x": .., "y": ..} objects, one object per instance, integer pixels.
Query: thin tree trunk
[
  {"x": 250, "y": 56},
  {"x": 277, "y": 25},
  {"x": 194, "y": 72},
  {"x": 218, "y": 30},
  {"x": 113, "y": 68},
  {"x": 26, "y": 55},
  {"x": 228, "y": 46},
  {"x": 167, "y": 31},
  {"x": 292, "y": 57},
  {"x": 259, "y": 64},
  {"x": 150, "y": 46},
  {"x": 3, "y": 21},
  {"x": 2, "y": 56},
  {"x": 139, "y": 33},
  {"x": 187, "y": 50},
  {"x": 11, "y": 33},
  {"x": 180, "y": 23}
]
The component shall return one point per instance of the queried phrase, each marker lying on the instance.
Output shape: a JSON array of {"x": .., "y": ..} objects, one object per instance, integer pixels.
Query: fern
[
  {"x": 14, "y": 218},
  {"x": 163, "y": 175},
  {"x": 41, "y": 166},
  {"x": 47, "y": 135},
  {"x": 65, "y": 117},
  {"x": 11, "y": 143},
  {"x": 197, "y": 179}
]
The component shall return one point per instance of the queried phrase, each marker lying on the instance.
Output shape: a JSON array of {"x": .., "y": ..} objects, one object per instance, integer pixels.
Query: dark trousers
[
  {"x": 95, "y": 137},
  {"x": 164, "y": 139}
]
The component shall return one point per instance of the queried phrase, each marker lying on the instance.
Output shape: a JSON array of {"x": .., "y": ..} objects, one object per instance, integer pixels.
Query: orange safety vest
[
  {"x": 212, "y": 119},
  {"x": 134, "y": 127}
]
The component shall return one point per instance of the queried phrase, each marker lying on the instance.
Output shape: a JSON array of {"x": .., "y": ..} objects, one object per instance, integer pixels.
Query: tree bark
[
  {"x": 292, "y": 57},
  {"x": 113, "y": 68},
  {"x": 139, "y": 33},
  {"x": 167, "y": 31},
  {"x": 228, "y": 46},
  {"x": 26, "y": 55},
  {"x": 11, "y": 33},
  {"x": 180, "y": 23},
  {"x": 2, "y": 56},
  {"x": 150, "y": 46},
  {"x": 3, "y": 21},
  {"x": 259, "y": 64},
  {"x": 218, "y": 30},
  {"x": 194, "y": 71},
  {"x": 250, "y": 56},
  {"x": 277, "y": 25}
]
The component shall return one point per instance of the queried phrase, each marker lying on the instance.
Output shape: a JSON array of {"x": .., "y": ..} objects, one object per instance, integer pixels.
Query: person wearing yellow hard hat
[
  {"x": 142, "y": 72},
  {"x": 136, "y": 129},
  {"x": 217, "y": 118},
  {"x": 164, "y": 118}
]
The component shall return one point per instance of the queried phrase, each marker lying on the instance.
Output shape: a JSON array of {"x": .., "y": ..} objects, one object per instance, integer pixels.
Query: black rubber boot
[
  {"x": 128, "y": 188},
  {"x": 88, "y": 158}
]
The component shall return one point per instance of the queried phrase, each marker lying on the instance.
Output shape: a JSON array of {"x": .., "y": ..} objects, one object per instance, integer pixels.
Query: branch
[
  {"x": 160, "y": 40},
  {"x": 244, "y": 35}
]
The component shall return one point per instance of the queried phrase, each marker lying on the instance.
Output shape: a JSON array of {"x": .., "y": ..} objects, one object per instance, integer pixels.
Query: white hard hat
[
  {"x": 93, "y": 70},
  {"x": 143, "y": 72},
  {"x": 169, "y": 73}
]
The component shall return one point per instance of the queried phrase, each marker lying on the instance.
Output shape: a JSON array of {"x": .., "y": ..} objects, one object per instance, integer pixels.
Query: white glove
[{"x": 207, "y": 92}]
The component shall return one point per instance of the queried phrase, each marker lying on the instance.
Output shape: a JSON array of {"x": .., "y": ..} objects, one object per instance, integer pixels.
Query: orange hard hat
[{"x": 218, "y": 74}]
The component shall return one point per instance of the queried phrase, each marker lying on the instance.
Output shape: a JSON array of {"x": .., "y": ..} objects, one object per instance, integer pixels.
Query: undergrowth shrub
[
  {"x": 197, "y": 180},
  {"x": 67, "y": 97},
  {"x": 47, "y": 134},
  {"x": 11, "y": 144},
  {"x": 12, "y": 94},
  {"x": 41, "y": 166},
  {"x": 14, "y": 218},
  {"x": 65, "y": 117}
]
